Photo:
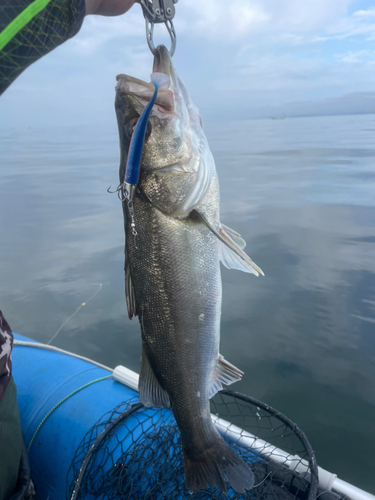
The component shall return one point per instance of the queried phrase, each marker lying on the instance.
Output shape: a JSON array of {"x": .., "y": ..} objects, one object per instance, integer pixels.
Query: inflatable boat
[{"x": 88, "y": 436}]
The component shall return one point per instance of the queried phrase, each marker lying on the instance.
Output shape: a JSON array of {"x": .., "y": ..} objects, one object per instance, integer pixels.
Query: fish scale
[{"x": 174, "y": 261}]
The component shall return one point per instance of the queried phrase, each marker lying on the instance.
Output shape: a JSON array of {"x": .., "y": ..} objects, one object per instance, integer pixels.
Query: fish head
[{"x": 177, "y": 165}]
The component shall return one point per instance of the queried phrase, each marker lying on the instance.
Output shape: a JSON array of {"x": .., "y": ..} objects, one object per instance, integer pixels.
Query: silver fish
[{"x": 172, "y": 271}]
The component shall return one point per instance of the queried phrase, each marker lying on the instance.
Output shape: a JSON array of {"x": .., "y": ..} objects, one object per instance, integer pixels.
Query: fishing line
[
  {"x": 256, "y": 485},
  {"x": 72, "y": 316}
]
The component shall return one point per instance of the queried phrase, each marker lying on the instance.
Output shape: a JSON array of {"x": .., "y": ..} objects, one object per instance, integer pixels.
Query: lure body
[{"x": 138, "y": 139}]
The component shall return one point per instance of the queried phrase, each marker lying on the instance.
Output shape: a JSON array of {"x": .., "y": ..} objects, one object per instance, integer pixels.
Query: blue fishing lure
[{"x": 133, "y": 164}]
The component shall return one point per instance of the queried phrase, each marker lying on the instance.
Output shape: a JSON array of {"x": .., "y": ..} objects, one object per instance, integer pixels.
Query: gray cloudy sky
[{"x": 240, "y": 58}]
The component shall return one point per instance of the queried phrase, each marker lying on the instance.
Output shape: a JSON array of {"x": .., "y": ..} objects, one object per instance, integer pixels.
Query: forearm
[
  {"x": 6, "y": 346},
  {"x": 108, "y": 7},
  {"x": 30, "y": 29}
]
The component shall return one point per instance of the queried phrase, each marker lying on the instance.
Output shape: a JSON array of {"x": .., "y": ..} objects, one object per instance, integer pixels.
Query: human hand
[{"x": 108, "y": 7}]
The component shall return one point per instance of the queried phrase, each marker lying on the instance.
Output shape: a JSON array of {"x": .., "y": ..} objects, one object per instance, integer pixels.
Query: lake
[{"x": 302, "y": 194}]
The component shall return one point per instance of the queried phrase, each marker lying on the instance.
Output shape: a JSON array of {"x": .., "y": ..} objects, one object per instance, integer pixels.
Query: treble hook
[
  {"x": 120, "y": 192},
  {"x": 116, "y": 191}
]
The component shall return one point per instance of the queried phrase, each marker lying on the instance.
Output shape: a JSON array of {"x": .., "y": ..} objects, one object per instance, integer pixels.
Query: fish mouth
[
  {"x": 144, "y": 91},
  {"x": 163, "y": 61}
]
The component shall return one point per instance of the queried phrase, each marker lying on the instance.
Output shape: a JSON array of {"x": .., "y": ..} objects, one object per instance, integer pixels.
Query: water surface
[{"x": 302, "y": 194}]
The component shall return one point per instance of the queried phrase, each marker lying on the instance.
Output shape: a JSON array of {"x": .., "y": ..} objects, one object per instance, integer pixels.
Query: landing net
[{"x": 134, "y": 452}]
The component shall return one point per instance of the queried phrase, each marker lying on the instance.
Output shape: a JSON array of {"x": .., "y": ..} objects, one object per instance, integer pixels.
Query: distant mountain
[
  {"x": 348, "y": 104},
  {"x": 357, "y": 103}
]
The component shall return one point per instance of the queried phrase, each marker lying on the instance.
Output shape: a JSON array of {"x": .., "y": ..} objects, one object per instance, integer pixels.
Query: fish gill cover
[{"x": 135, "y": 452}]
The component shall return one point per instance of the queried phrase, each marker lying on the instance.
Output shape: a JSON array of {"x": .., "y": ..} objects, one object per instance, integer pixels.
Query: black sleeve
[
  {"x": 29, "y": 29},
  {"x": 6, "y": 345}
]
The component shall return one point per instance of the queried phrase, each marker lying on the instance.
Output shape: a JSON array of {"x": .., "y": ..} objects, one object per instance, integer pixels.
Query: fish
[{"x": 174, "y": 243}]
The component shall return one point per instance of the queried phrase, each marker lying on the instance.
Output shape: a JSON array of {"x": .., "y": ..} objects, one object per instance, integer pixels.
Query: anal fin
[
  {"x": 225, "y": 373},
  {"x": 151, "y": 392}
]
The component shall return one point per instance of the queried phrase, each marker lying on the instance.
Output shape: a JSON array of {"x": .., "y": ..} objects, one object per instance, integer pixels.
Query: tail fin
[{"x": 219, "y": 460}]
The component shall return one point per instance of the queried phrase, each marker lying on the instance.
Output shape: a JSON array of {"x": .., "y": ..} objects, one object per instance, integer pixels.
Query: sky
[{"x": 239, "y": 59}]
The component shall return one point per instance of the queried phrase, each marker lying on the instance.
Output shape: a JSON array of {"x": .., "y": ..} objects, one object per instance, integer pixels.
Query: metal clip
[{"x": 155, "y": 12}]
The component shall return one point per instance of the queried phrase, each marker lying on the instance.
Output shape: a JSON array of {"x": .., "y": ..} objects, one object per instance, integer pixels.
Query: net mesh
[
  {"x": 135, "y": 452},
  {"x": 58, "y": 21}
]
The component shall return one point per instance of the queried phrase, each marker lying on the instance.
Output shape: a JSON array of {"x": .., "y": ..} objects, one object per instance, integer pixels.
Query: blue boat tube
[
  {"x": 60, "y": 398},
  {"x": 67, "y": 403}
]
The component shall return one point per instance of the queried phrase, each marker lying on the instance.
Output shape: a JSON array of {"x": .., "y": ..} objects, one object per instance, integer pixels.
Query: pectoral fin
[
  {"x": 151, "y": 392},
  {"x": 225, "y": 373},
  {"x": 240, "y": 242},
  {"x": 231, "y": 254}
]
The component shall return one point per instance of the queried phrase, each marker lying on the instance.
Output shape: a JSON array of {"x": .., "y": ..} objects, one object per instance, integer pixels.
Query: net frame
[{"x": 146, "y": 460}]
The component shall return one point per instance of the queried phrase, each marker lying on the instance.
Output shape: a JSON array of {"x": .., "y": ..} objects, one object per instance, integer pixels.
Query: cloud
[
  {"x": 231, "y": 55},
  {"x": 365, "y": 13},
  {"x": 220, "y": 20},
  {"x": 359, "y": 56},
  {"x": 359, "y": 24},
  {"x": 293, "y": 15},
  {"x": 245, "y": 18},
  {"x": 98, "y": 31},
  {"x": 276, "y": 79},
  {"x": 260, "y": 22},
  {"x": 275, "y": 71},
  {"x": 240, "y": 20}
]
